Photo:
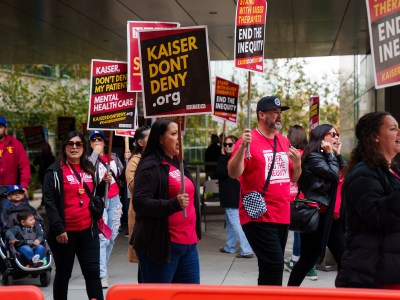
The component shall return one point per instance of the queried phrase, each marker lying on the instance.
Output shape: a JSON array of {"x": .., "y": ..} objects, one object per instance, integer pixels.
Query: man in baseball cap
[
  {"x": 268, "y": 233},
  {"x": 3, "y": 121},
  {"x": 15, "y": 166},
  {"x": 270, "y": 102}
]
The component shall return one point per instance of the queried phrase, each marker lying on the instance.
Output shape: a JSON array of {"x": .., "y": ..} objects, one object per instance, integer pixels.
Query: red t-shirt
[
  {"x": 77, "y": 217},
  {"x": 113, "y": 190},
  {"x": 255, "y": 172},
  {"x": 182, "y": 230}
]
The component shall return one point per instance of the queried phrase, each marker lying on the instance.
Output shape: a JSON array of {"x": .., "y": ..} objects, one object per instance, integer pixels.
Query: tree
[
  {"x": 287, "y": 79},
  {"x": 29, "y": 98}
]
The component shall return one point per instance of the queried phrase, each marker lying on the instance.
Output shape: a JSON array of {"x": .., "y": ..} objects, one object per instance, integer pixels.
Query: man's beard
[{"x": 275, "y": 126}]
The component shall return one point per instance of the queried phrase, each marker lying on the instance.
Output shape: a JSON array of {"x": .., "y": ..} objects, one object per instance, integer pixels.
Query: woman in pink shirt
[{"x": 164, "y": 238}]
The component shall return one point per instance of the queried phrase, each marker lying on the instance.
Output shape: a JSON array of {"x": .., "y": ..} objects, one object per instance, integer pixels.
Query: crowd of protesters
[{"x": 359, "y": 202}]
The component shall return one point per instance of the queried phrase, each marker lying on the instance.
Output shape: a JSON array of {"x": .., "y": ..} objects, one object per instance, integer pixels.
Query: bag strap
[
  {"x": 85, "y": 186},
  {"x": 270, "y": 169},
  {"x": 104, "y": 164}
]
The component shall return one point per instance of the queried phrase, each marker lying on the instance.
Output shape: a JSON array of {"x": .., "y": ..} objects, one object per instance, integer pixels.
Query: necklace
[
  {"x": 258, "y": 129},
  {"x": 81, "y": 190}
]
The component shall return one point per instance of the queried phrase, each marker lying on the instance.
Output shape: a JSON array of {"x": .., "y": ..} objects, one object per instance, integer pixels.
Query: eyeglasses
[
  {"x": 332, "y": 134},
  {"x": 229, "y": 145},
  {"x": 97, "y": 139},
  {"x": 71, "y": 144}
]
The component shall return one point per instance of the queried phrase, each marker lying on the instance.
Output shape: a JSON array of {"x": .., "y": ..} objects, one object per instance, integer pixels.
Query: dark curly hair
[{"x": 367, "y": 149}]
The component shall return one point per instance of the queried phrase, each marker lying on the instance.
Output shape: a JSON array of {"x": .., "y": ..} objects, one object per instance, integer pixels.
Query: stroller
[{"x": 13, "y": 265}]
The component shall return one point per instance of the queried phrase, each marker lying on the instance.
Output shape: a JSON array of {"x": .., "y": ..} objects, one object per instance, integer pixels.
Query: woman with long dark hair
[
  {"x": 321, "y": 163},
  {"x": 72, "y": 230},
  {"x": 371, "y": 197},
  {"x": 298, "y": 139},
  {"x": 164, "y": 239}
]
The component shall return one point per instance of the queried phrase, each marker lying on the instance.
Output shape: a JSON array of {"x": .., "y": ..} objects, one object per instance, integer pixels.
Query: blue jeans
[
  {"x": 235, "y": 232},
  {"x": 296, "y": 244},
  {"x": 183, "y": 266},
  {"x": 112, "y": 217},
  {"x": 29, "y": 252}
]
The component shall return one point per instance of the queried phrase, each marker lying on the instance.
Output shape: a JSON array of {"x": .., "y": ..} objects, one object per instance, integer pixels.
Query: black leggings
[
  {"x": 87, "y": 249},
  {"x": 310, "y": 250}
]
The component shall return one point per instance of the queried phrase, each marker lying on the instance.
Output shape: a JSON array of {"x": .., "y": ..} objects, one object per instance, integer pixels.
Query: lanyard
[{"x": 81, "y": 190}]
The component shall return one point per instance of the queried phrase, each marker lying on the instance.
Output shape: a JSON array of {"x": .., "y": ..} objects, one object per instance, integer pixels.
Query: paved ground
[{"x": 216, "y": 268}]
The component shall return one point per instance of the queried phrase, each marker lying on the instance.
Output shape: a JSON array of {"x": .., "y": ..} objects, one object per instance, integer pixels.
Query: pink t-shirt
[
  {"x": 77, "y": 217},
  {"x": 255, "y": 172},
  {"x": 182, "y": 230}
]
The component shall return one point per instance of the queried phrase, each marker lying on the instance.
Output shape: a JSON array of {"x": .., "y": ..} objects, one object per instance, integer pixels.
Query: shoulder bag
[
  {"x": 96, "y": 203},
  {"x": 254, "y": 202},
  {"x": 304, "y": 215}
]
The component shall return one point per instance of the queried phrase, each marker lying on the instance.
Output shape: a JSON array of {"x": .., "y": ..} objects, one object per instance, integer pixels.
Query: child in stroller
[
  {"x": 26, "y": 238},
  {"x": 12, "y": 263}
]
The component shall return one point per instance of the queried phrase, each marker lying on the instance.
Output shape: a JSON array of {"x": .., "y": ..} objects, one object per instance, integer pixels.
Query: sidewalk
[{"x": 215, "y": 268}]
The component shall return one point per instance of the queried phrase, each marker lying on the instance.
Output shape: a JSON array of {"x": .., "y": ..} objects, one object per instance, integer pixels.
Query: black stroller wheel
[
  {"x": 45, "y": 278},
  {"x": 6, "y": 280}
]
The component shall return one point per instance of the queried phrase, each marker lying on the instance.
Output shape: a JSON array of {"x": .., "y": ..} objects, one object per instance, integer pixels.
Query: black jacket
[
  {"x": 53, "y": 197},
  {"x": 320, "y": 172},
  {"x": 229, "y": 188},
  {"x": 372, "y": 240},
  {"x": 318, "y": 182},
  {"x": 152, "y": 206}
]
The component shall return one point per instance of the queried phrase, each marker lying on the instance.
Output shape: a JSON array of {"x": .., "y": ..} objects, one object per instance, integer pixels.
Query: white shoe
[
  {"x": 104, "y": 282},
  {"x": 35, "y": 259}
]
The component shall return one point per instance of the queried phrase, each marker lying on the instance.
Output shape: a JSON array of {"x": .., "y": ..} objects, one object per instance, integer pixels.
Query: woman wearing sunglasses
[
  {"x": 72, "y": 231},
  {"x": 321, "y": 164},
  {"x": 113, "y": 206},
  {"x": 229, "y": 192}
]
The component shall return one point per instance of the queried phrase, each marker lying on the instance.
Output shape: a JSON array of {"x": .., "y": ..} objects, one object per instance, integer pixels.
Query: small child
[
  {"x": 14, "y": 204},
  {"x": 27, "y": 238}
]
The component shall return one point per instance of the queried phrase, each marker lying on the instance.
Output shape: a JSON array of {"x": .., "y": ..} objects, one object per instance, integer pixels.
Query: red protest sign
[
  {"x": 314, "y": 112},
  {"x": 110, "y": 106},
  {"x": 384, "y": 29},
  {"x": 226, "y": 100},
  {"x": 175, "y": 71},
  {"x": 250, "y": 34},
  {"x": 128, "y": 133},
  {"x": 134, "y": 83}
]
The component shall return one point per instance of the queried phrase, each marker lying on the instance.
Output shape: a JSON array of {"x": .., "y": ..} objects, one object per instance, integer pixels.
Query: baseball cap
[
  {"x": 270, "y": 102},
  {"x": 96, "y": 132},
  {"x": 3, "y": 121},
  {"x": 14, "y": 188}
]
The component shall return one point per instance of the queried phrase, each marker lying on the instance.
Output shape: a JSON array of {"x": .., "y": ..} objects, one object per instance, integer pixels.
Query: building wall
[{"x": 357, "y": 95}]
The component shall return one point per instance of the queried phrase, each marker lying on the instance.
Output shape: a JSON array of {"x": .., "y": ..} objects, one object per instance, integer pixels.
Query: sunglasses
[
  {"x": 97, "y": 139},
  {"x": 229, "y": 145},
  {"x": 332, "y": 134},
  {"x": 71, "y": 144}
]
